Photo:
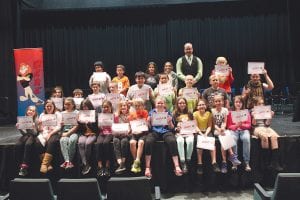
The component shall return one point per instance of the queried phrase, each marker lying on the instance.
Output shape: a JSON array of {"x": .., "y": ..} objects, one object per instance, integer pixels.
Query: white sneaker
[{"x": 247, "y": 168}]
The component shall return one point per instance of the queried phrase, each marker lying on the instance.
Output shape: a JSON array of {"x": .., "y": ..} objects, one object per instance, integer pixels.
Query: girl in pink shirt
[{"x": 240, "y": 130}]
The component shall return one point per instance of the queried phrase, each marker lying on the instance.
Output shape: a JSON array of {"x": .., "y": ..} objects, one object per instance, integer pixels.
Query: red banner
[{"x": 30, "y": 78}]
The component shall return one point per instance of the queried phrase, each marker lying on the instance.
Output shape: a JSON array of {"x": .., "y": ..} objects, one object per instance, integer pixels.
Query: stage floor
[{"x": 281, "y": 123}]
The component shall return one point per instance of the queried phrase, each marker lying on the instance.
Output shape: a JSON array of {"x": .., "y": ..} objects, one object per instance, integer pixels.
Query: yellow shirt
[{"x": 202, "y": 121}]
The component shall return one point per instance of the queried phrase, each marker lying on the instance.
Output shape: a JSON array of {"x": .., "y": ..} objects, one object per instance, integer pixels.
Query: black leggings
[
  {"x": 168, "y": 138},
  {"x": 103, "y": 147},
  {"x": 23, "y": 148},
  {"x": 51, "y": 146}
]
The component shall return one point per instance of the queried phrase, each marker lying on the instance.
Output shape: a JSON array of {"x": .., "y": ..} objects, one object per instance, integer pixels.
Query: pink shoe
[
  {"x": 69, "y": 165},
  {"x": 64, "y": 165}
]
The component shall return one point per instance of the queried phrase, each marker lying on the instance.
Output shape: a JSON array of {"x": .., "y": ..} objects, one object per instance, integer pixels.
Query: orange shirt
[
  {"x": 140, "y": 114},
  {"x": 124, "y": 81}
]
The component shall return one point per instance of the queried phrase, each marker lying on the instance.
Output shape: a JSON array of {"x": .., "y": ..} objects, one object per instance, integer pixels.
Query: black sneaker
[
  {"x": 216, "y": 168},
  {"x": 23, "y": 171},
  {"x": 199, "y": 169},
  {"x": 100, "y": 171},
  {"x": 106, "y": 172},
  {"x": 275, "y": 166},
  {"x": 86, "y": 169},
  {"x": 120, "y": 169}
]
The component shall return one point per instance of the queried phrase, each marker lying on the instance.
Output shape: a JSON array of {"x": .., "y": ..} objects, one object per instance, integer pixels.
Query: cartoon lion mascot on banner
[{"x": 24, "y": 77}]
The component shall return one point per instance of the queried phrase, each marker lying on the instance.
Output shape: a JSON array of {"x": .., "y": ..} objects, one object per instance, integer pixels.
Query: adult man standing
[{"x": 189, "y": 65}]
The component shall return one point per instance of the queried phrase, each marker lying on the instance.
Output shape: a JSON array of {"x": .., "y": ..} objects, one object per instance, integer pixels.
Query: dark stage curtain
[
  {"x": 7, "y": 80},
  {"x": 241, "y": 31}
]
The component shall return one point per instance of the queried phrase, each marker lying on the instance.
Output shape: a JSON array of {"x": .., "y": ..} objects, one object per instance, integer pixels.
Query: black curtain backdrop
[
  {"x": 240, "y": 31},
  {"x": 73, "y": 39},
  {"x": 7, "y": 43}
]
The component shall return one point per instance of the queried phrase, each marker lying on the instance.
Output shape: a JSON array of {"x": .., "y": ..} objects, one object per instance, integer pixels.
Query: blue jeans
[{"x": 244, "y": 135}]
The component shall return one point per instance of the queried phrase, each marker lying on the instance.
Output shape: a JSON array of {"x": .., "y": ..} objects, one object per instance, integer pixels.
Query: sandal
[
  {"x": 178, "y": 171},
  {"x": 148, "y": 172}
]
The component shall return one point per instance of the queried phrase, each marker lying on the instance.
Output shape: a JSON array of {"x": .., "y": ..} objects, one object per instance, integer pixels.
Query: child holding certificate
[
  {"x": 161, "y": 132},
  {"x": 224, "y": 73},
  {"x": 220, "y": 120},
  {"x": 57, "y": 95},
  {"x": 190, "y": 93},
  {"x": 122, "y": 80},
  {"x": 204, "y": 122},
  {"x": 24, "y": 145},
  {"x": 239, "y": 125},
  {"x": 138, "y": 136},
  {"x": 181, "y": 115},
  {"x": 166, "y": 90},
  {"x": 100, "y": 76},
  {"x": 96, "y": 97},
  {"x": 49, "y": 134},
  {"x": 263, "y": 131},
  {"x": 78, "y": 97},
  {"x": 141, "y": 90},
  {"x": 114, "y": 96},
  {"x": 120, "y": 140},
  {"x": 88, "y": 131},
  {"x": 69, "y": 135},
  {"x": 102, "y": 146}
]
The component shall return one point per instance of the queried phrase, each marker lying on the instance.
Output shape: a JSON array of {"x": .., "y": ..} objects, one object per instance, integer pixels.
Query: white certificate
[
  {"x": 138, "y": 126},
  {"x": 25, "y": 122},
  {"x": 159, "y": 119},
  {"x": 105, "y": 119},
  {"x": 190, "y": 93},
  {"x": 113, "y": 98},
  {"x": 239, "y": 116},
  {"x": 205, "y": 142},
  {"x": 142, "y": 93},
  {"x": 221, "y": 70},
  {"x": 165, "y": 89},
  {"x": 78, "y": 101},
  {"x": 227, "y": 140},
  {"x": 120, "y": 128},
  {"x": 188, "y": 127},
  {"x": 99, "y": 77},
  {"x": 256, "y": 67},
  {"x": 49, "y": 120},
  {"x": 86, "y": 116},
  {"x": 69, "y": 118},
  {"x": 58, "y": 102},
  {"x": 96, "y": 99},
  {"x": 262, "y": 112}
]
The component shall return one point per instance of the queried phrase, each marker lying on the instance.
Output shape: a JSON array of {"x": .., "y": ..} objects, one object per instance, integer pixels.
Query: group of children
[{"x": 139, "y": 117}]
